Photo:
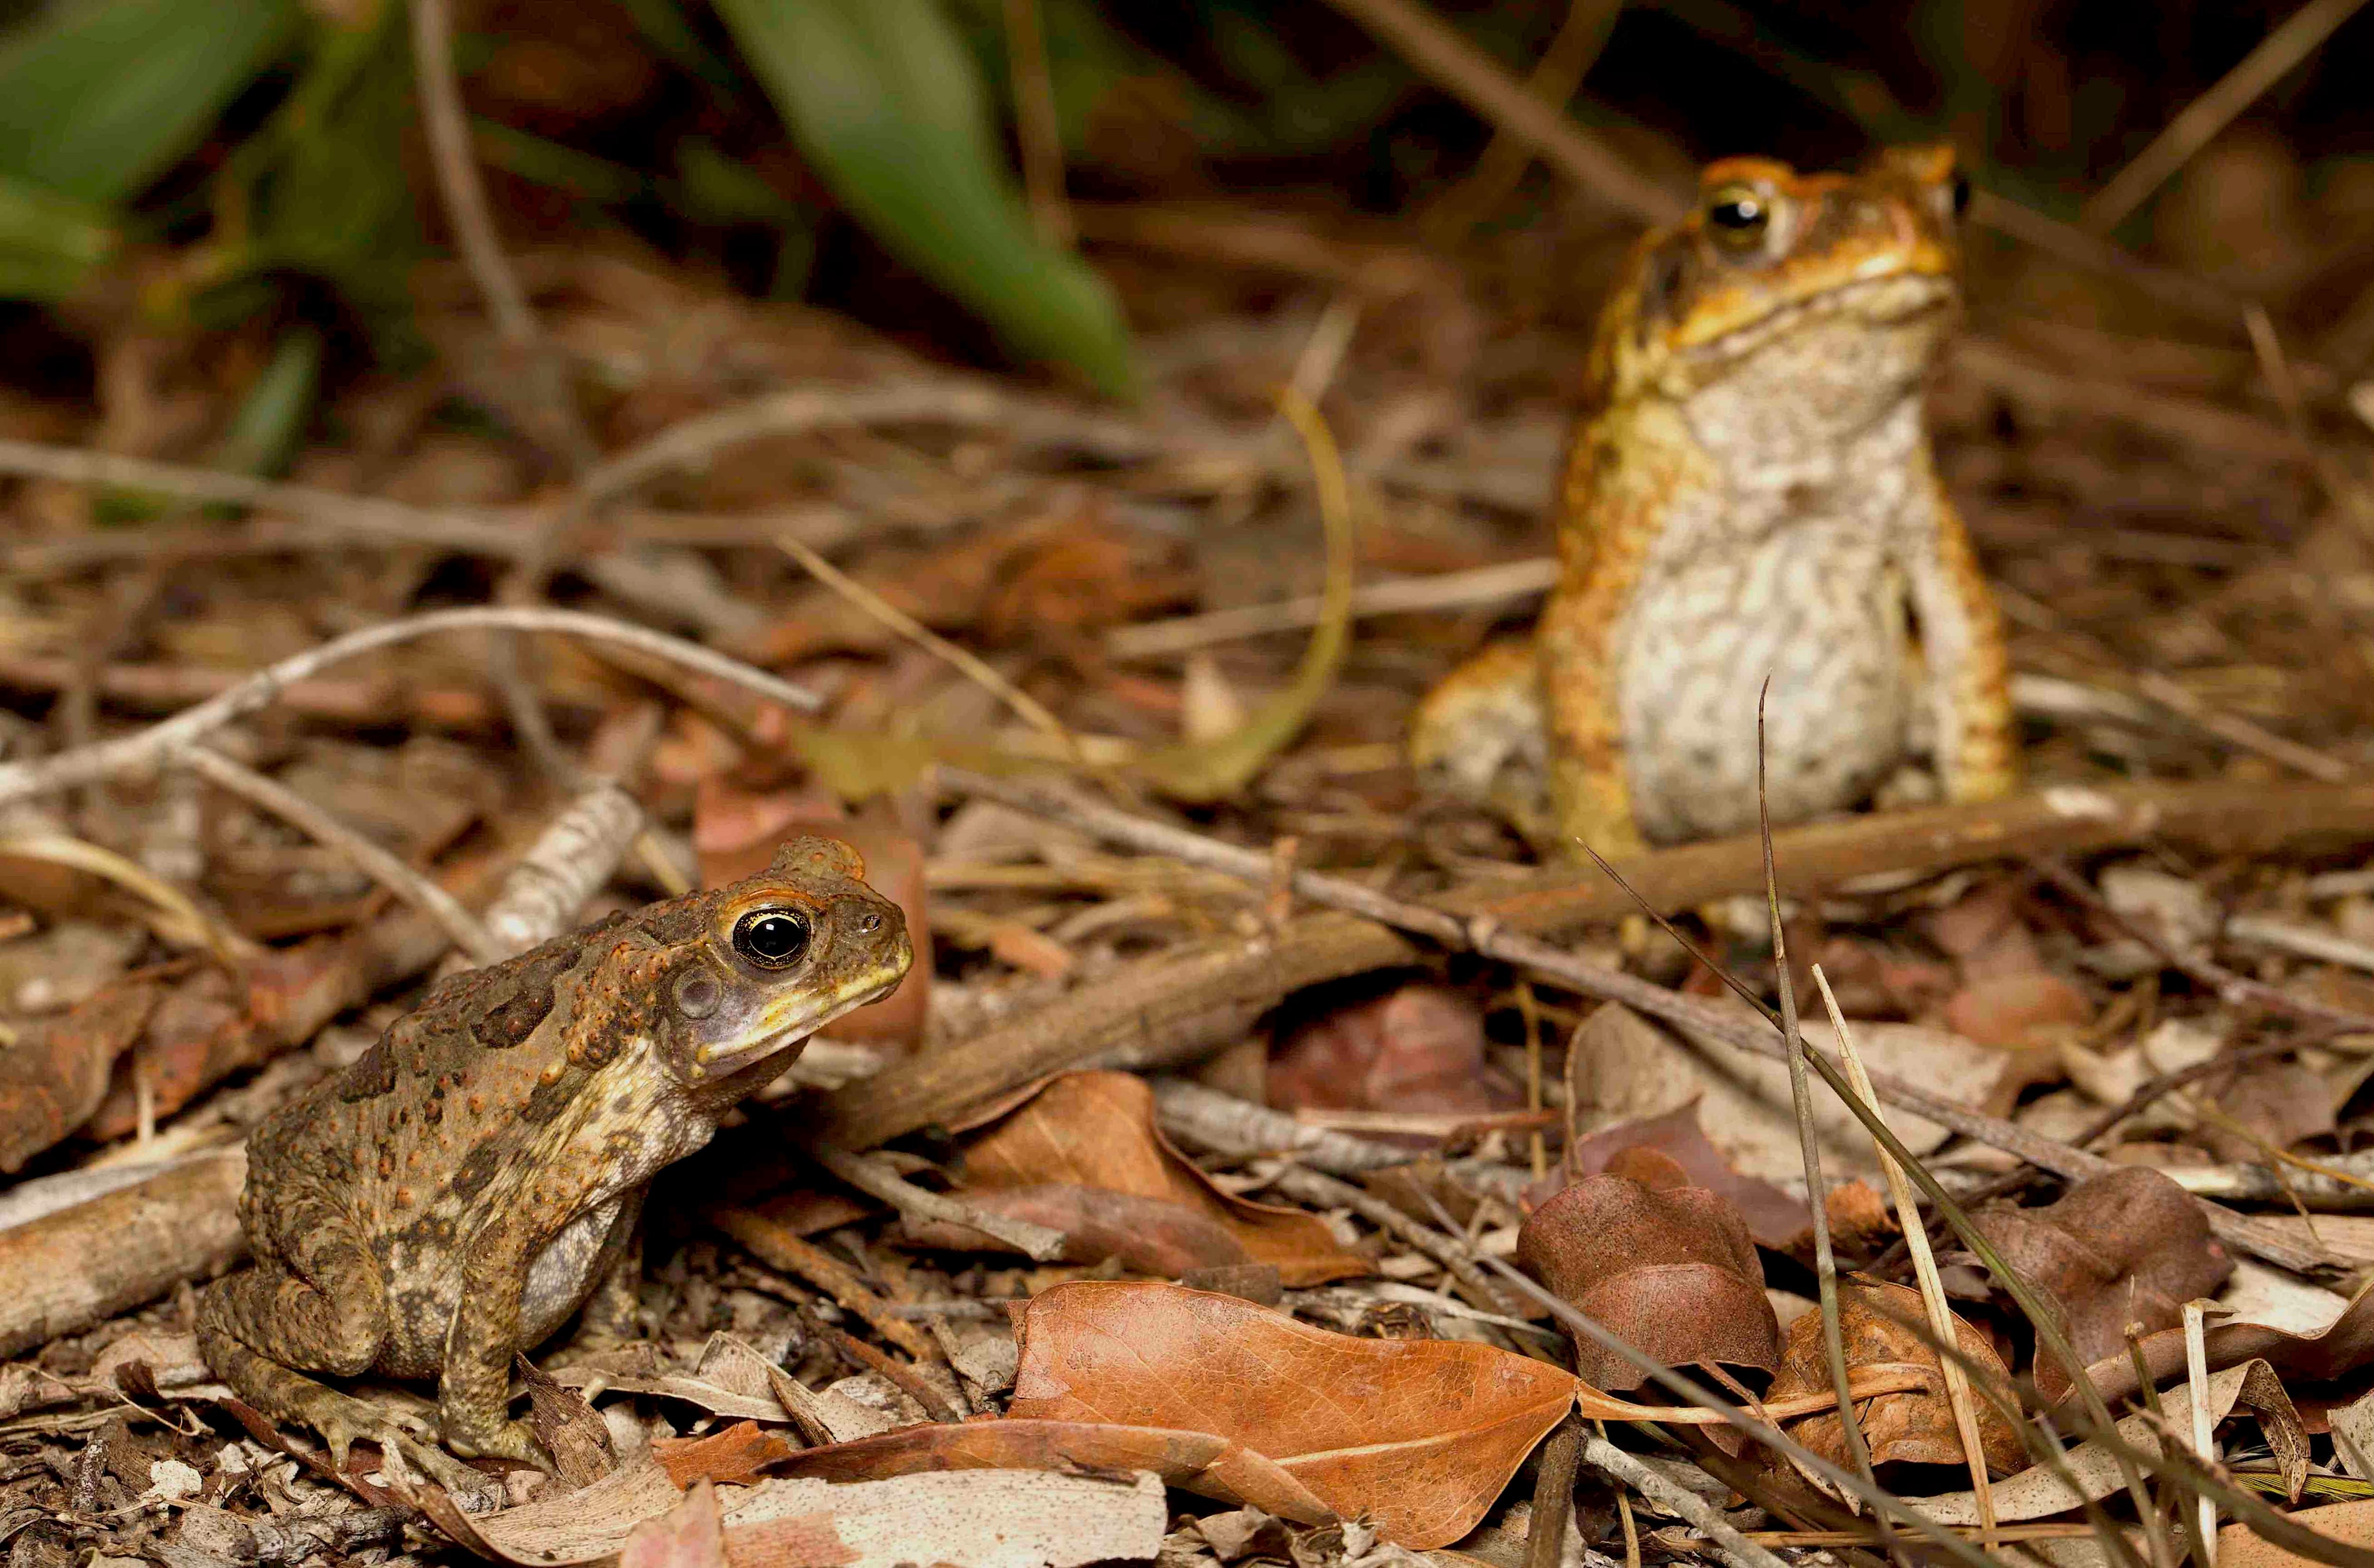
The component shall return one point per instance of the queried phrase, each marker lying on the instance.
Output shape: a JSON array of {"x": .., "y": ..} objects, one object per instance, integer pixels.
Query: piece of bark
[
  {"x": 65, "y": 1272},
  {"x": 1174, "y": 1008}
]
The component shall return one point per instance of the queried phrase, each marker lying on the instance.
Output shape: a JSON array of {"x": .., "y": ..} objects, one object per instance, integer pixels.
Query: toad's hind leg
[{"x": 333, "y": 1333}]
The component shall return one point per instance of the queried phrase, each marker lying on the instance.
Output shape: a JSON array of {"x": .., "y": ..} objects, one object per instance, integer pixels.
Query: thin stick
[
  {"x": 1489, "y": 938},
  {"x": 1326, "y": 1190},
  {"x": 1809, "y": 1148},
  {"x": 777, "y": 1246},
  {"x": 147, "y": 748},
  {"x": 873, "y": 1175},
  {"x": 1028, "y": 708},
  {"x": 323, "y": 827},
  {"x": 1572, "y": 52},
  {"x": 1034, "y": 125},
  {"x": 901, "y": 1373},
  {"x": 1474, "y": 79},
  {"x": 1729, "y": 1544},
  {"x": 1924, "y": 1268},
  {"x": 448, "y": 131},
  {"x": 2200, "y": 119}
]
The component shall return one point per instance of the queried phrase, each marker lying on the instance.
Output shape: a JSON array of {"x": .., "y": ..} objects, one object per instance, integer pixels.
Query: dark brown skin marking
[{"x": 397, "y": 1212}]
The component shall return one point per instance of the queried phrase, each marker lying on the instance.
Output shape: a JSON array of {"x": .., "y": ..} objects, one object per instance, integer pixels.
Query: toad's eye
[
  {"x": 772, "y": 939},
  {"x": 1738, "y": 216}
]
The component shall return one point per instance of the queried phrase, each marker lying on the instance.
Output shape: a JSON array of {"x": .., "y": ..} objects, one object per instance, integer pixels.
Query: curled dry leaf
[
  {"x": 2341, "y": 1348},
  {"x": 1415, "y": 1049},
  {"x": 1886, "y": 1325},
  {"x": 1417, "y": 1434},
  {"x": 2274, "y": 1105},
  {"x": 1664, "y": 1265},
  {"x": 1773, "y": 1218},
  {"x": 1096, "y": 1131},
  {"x": 2125, "y": 1247}
]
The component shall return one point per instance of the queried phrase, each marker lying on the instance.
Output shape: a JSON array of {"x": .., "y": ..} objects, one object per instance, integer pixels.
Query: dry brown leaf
[
  {"x": 690, "y": 1535},
  {"x": 2342, "y": 1347},
  {"x": 1146, "y": 1235},
  {"x": 1885, "y": 1325},
  {"x": 53, "y": 1078},
  {"x": 1097, "y": 1130},
  {"x": 2125, "y": 1247},
  {"x": 1773, "y": 1217},
  {"x": 1417, "y": 1434},
  {"x": 1668, "y": 1267},
  {"x": 2350, "y": 1523},
  {"x": 2270, "y": 1104},
  {"x": 1201, "y": 1462},
  {"x": 1001, "y": 1518},
  {"x": 1415, "y": 1049},
  {"x": 2011, "y": 1011}
]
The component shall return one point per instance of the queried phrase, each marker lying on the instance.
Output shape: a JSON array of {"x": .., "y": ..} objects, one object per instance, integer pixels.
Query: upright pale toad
[
  {"x": 1749, "y": 494},
  {"x": 455, "y": 1196}
]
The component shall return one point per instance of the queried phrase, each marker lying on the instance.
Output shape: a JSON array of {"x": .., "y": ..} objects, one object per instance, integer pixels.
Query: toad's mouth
[
  {"x": 1892, "y": 299},
  {"x": 788, "y": 1021}
]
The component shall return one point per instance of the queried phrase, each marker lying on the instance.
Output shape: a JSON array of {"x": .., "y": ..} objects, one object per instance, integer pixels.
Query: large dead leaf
[
  {"x": 1097, "y": 1130},
  {"x": 1913, "y": 1427},
  {"x": 1418, "y": 1434},
  {"x": 1666, "y": 1266},
  {"x": 1000, "y": 1518},
  {"x": 1200, "y": 1462},
  {"x": 52, "y": 1079},
  {"x": 1146, "y": 1235},
  {"x": 2125, "y": 1247}
]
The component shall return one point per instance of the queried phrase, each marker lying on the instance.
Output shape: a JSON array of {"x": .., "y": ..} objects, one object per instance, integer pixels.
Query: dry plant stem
[
  {"x": 2196, "y": 1378},
  {"x": 1309, "y": 1186},
  {"x": 1809, "y": 1149},
  {"x": 1226, "y": 1125},
  {"x": 1924, "y": 1268},
  {"x": 1443, "y": 591},
  {"x": 691, "y": 443},
  {"x": 148, "y": 748},
  {"x": 1553, "y": 1495},
  {"x": 168, "y": 911},
  {"x": 1729, "y": 1544},
  {"x": 448, "y": 131},
  {"x": 1034, "y": 123},
  {"x": 779, "y": 1248},
  {"x": 1490, "y": 935},
  {"x": 875, "y": 1178},
  {"x": 570, "y": 860},
  {"x": 1024, "y": 704},
  {"x": 1440, "y": 54},
  {"x": 323, "y": 827},
  {"x": 1571, "y": 53},
  {"x": 902, "y": 1375},
  {"x": 2200, "y": 121}
]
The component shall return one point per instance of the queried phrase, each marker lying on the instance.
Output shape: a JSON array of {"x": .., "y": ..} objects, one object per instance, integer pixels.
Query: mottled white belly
[{"x": 1815, "y": 608}]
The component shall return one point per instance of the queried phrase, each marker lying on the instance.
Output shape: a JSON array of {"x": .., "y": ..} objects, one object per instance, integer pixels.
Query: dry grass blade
[
  {"x": 1809, "y": 1149},
  {"x": 2200, "y": 119},
  {"x": 2205, "y": 1442},
  {"x": 1924, "y": 1268},
  {"x": 173, "y": 916},
  {"x": 975, "y": 669},
  {"x": 1729, "y": 1543}
]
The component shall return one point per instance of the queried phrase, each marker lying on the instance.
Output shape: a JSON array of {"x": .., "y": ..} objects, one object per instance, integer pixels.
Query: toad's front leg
[{"x": 474, "y": 1391}]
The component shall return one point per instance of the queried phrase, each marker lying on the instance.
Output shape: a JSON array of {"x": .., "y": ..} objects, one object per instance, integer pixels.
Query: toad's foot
[{"x": 498, "y": 1439}]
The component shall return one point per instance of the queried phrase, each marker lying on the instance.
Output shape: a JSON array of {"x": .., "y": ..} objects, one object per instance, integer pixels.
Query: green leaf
[
  {"x": 48, "y": 242},
  {"x": 886, "y": 105},
  {"x": 271, "y": 417},
  {"x": 100, "y": 96}
]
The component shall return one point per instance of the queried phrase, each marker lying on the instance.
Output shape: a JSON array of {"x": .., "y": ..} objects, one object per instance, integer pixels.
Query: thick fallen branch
[
  {"x": 67, "y": 1270},
  {"x": 1495, "y": 934},
  {"x": 1174, "y": 1007}
]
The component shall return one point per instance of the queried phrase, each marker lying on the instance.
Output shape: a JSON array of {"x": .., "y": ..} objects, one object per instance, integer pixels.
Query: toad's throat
[{"x": 788, "y": 1020}]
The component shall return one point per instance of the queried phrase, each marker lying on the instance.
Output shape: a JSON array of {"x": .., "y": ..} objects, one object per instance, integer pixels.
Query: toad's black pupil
[
  {"x": 1738, "y": 212},
  {"x": 1961, "y": 195},
  {"x": 774, "y": 938}
]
